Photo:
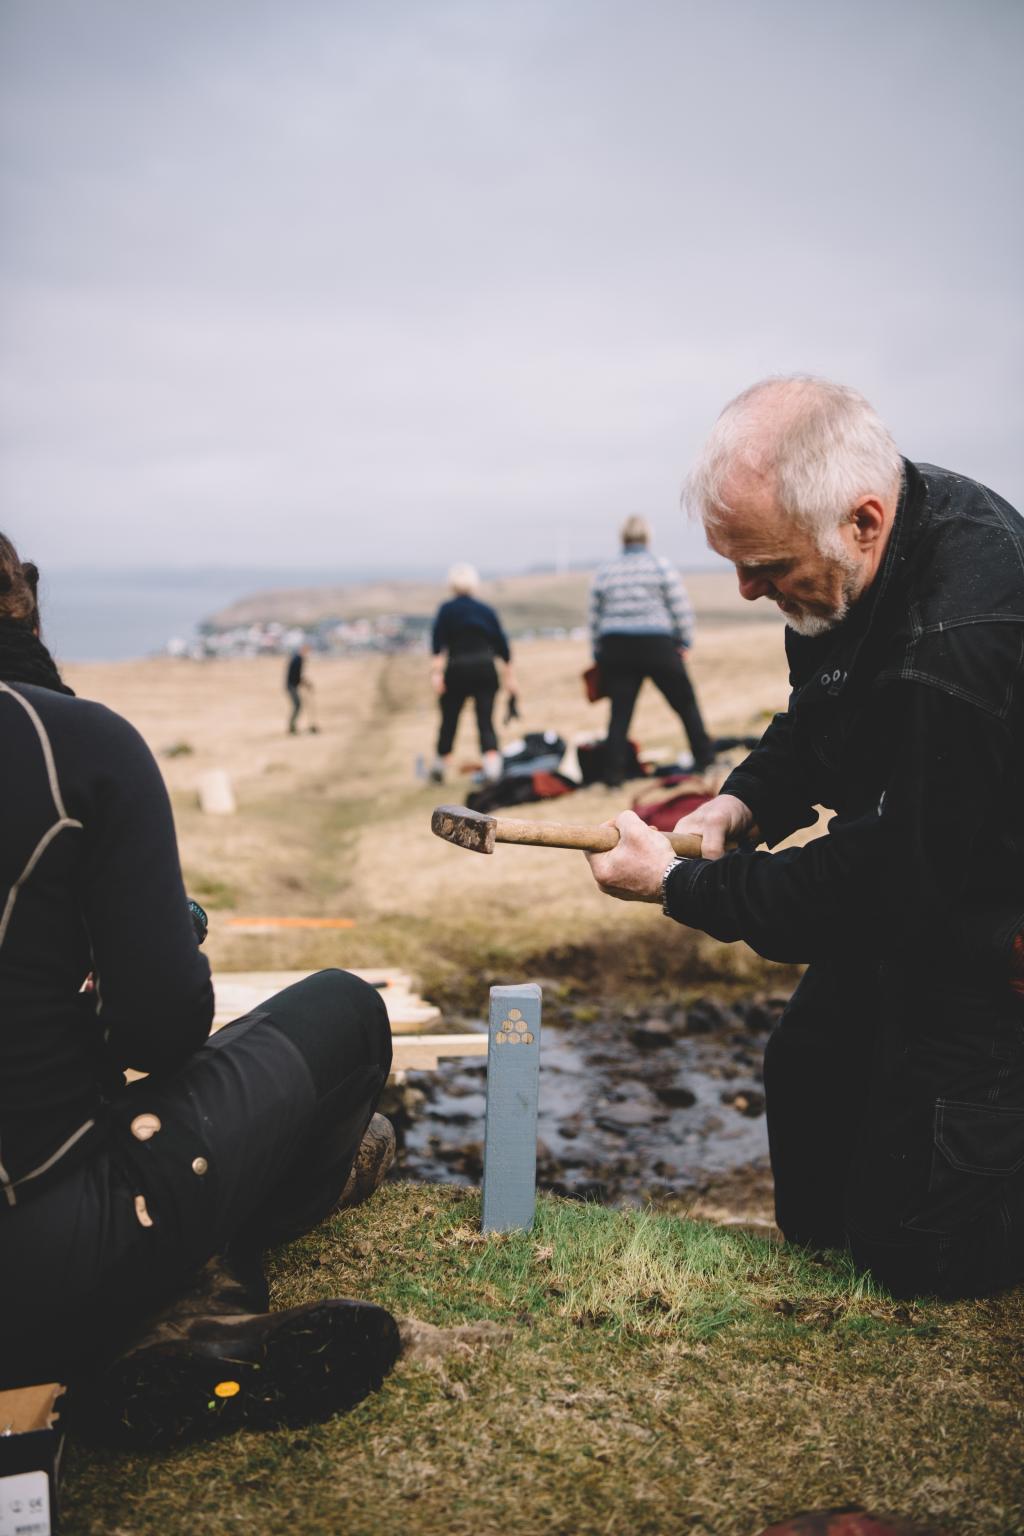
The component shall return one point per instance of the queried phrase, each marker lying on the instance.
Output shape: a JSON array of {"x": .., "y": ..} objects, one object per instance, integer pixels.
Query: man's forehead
[{"x": 754, "y": 531}]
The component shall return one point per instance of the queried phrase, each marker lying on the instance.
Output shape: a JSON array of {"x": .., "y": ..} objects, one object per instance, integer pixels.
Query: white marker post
[{"x": 510, "y": 1135}]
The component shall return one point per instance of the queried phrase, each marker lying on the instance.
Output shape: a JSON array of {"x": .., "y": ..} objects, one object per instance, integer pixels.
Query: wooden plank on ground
[
  {"x": 421, "y": 1053},
  {"x": 238, "y": 992}
]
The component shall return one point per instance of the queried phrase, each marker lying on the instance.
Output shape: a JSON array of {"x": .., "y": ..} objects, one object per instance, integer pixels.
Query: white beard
[{"x": 810, "y": 624}]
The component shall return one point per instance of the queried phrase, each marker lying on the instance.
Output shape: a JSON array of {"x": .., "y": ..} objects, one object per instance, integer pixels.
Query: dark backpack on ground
[
  {"x": 593, "y": 758},
  {"x": 519, "y": 789}
]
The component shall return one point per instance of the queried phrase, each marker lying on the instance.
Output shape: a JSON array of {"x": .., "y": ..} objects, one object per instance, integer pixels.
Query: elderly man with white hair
[{"x": 895, "y": 1080}]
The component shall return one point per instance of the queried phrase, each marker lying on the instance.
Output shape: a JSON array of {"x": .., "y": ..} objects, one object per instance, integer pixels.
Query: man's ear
[{"x": 869, "y": 521}]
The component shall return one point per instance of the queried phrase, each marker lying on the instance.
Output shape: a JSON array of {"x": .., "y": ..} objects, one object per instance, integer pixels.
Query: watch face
[{"x": 200, "y": 921}]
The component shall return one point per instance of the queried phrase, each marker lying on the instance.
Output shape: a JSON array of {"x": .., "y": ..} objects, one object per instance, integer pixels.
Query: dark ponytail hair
[
  {"x": 19, "y": 587},
  {"x": 23, "y": 656}
]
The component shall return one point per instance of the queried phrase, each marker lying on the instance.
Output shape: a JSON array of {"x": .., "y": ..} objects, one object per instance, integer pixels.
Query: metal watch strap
[{"x": 664, "y": 884}]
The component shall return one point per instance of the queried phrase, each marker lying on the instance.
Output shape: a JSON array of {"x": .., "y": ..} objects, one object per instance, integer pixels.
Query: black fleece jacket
[
  {"x": 89, "y": 883},
  {"x": 907, "y": 720}
]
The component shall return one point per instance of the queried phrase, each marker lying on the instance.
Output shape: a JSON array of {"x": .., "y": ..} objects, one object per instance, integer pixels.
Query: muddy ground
[{"x": 663, "y": 1105}]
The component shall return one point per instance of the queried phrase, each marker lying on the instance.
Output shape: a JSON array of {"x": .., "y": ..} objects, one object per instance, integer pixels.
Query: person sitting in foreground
[
  {"x": 895, "y": 1081},
  {"x": 133, "y": 1218}
]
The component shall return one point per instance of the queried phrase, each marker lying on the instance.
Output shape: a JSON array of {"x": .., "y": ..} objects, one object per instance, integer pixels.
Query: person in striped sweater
[{"x": 641, "y": 626}]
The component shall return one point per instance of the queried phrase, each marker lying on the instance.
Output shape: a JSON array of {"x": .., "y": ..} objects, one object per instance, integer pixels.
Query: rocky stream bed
[{"x": 664, "y": 1105}]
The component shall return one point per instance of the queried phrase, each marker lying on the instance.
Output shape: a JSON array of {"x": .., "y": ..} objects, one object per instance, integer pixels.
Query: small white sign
[{"x": 25, "y": 1504}]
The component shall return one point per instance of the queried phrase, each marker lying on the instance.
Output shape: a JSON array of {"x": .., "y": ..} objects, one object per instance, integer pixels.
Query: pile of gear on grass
[{"x": 543, "y": 765}]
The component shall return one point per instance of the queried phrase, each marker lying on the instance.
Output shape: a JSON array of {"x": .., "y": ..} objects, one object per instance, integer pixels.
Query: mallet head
[{"x": 465, "y": 828}]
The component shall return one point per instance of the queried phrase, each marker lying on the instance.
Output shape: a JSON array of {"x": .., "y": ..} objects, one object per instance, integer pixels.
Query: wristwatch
[{"x": 664, "y": 883}]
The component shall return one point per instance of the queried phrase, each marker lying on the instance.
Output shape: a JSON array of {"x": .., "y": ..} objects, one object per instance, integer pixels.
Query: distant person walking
[
  {"x": 641, "y": 625},
  {"x": 295, "y": 684},
  {"x": 467, "y": 640}
]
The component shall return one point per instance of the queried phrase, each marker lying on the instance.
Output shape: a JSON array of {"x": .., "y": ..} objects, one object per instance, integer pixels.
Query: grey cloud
[{"x": 327, "y": 281}]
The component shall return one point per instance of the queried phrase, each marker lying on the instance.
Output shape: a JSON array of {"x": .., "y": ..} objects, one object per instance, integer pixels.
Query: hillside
[{"x": 534, "y": 601}]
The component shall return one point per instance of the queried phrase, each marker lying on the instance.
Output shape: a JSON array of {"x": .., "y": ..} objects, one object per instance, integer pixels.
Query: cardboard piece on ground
[{"x": 31, "y": 1443}]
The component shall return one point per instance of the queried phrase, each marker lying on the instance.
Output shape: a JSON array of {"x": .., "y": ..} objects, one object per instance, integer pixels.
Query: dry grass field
[
  {"x": 611, "y": 1371},
  {"x": 337, "y": 824}
]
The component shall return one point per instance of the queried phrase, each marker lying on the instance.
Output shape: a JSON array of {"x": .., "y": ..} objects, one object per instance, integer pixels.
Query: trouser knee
[{"x": 338, "y": 1023}]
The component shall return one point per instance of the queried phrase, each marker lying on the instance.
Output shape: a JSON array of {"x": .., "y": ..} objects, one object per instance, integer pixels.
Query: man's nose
[{"x": 752, "y": 587}]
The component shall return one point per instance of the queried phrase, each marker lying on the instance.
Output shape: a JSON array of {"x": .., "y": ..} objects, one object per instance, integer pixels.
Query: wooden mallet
[{"x": 470, "y": 829}]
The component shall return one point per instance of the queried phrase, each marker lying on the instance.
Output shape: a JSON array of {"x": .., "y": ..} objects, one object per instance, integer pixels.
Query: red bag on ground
[{"x": 664, "y": 814}]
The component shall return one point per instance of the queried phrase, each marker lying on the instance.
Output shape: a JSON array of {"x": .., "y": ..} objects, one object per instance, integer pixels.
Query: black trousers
[
  {"x": 295, "y": 694},
  {"x": 896, "y": 1124},
  {"x": 626, "y": 660},
  {"x": 476, "y": 680},
  {"x": 258, "y": 1132}
]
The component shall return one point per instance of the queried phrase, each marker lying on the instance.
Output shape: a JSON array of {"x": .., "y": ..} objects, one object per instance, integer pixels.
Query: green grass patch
[
  {"x": 616, "y": 1371},
  {"x": 210, "y": 891}
]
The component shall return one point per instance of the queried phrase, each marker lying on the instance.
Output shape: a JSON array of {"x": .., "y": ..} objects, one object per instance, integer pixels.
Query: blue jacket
[{"x": 466, "y": 627}]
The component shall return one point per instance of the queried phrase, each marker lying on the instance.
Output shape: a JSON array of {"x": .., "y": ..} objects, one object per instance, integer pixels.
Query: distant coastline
[
  {"x": 92, "y": 615},
  {"x": 103, "y": 615}
]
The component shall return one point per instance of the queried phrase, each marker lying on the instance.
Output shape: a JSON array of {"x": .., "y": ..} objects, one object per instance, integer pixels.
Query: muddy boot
[
  {"x": 374, "y": 1158},
  {"x": 208, "y": 1365}
]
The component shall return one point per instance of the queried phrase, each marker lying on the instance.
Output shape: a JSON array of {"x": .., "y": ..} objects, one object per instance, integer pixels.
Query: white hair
[
  {"x": 463, "y": 580},
  {"x": 819, "y": 445},
  {"x": 635, "y": 530}
]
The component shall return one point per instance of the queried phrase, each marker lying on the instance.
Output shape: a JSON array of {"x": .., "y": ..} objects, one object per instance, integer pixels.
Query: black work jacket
[{"x": 907, "y": 720}]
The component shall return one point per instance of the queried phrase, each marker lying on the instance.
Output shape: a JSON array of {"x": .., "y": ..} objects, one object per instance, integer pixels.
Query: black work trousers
[
  {"x": 258, "y": 1132},
  {"x": 896, "y": 1124},
  {"x": 476, "y": 680},
  {"x": 625, "y": 661}
]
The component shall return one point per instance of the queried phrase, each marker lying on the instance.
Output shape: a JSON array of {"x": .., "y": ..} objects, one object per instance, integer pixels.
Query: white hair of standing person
[
  {"x": 635, "y": 530},
  {"x": 464, "y": 580},
  {"x": 821, "y": 446}
]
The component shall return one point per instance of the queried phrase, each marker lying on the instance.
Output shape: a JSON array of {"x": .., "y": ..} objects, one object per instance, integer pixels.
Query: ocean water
[{"x": 91, "y": 615}]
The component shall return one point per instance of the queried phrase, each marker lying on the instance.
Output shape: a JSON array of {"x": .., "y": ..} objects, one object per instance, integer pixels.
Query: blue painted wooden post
[{"x": 510, "y": 1134}]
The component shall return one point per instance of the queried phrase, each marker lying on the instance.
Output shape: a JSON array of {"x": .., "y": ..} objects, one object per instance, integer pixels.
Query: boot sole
[{"x": 289, "y": 1368}]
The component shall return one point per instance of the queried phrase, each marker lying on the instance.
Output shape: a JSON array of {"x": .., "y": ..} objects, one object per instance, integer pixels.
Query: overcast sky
[{"x": 314, "y": 282}]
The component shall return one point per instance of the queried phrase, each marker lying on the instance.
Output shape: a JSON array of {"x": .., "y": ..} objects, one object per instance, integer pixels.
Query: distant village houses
[{"x": 386, "y": 633}]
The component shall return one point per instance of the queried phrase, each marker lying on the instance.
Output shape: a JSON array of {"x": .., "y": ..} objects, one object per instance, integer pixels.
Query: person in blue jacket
[{"x": 467, "y": 640}]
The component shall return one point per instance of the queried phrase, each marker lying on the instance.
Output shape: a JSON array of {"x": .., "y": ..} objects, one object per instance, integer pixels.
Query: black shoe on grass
[{"x": 295, "y": 1367}]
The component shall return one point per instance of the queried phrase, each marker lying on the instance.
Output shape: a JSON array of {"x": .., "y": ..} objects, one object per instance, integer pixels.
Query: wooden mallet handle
[{"x": 562, "y": 834}]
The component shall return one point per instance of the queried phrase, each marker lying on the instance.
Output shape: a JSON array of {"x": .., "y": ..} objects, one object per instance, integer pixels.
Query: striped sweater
[{"x": 639, "y": 593}]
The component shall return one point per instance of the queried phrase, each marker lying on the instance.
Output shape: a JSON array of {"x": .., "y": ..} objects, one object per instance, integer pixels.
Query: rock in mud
[
  {"x": 704, "y": 1016},
  {"x": 652, "y": 1034},
  {"x": 761, "y": 1014},
  {"x": 620, "y": 1118},
  {"x": 676, "y": 1096},
  {"x": 749, "y": 1102}
]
